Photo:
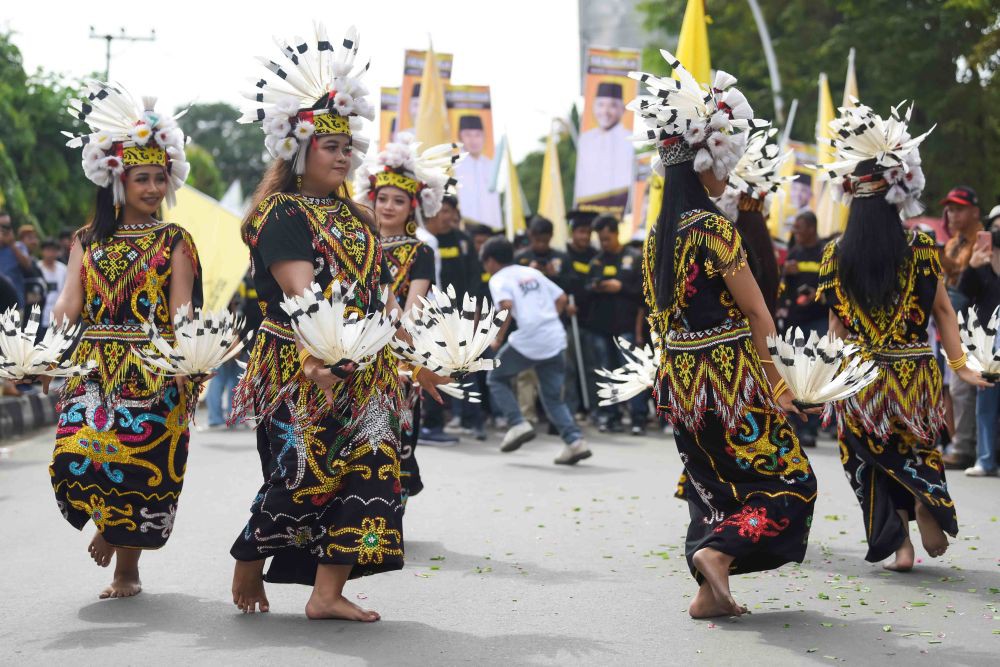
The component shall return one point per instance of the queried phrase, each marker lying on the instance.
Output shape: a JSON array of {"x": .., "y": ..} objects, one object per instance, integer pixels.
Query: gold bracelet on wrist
[
  {"x": 780, "y": 388},
  {"x": 959, "y": 363},
  {"x": 303, "y": 355},
  {"x": 767, "y": 361},
  {"x": 413, "y": 374}
]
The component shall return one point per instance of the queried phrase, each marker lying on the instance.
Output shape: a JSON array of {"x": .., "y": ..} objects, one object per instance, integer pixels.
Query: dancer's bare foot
[
  {"x": 705, "y": 605},
  {"x": 126, "y": 581},
  {"x": 714, "y": 566},
  {"x": 933, "y": 537},
  {"x": 338, "y": 607},
  {"x": 100, "y": 550},
  {"x": 248, "y": 587},
  {"x": 904, "y": 558}
]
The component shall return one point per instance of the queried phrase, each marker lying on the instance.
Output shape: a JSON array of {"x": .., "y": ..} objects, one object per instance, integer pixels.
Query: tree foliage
[
  {"x": 40, "y": 178},
  {"x": 205, "y": 175},
  {"x": 941, "y": 54},
  {"x": 237, "y": 149}
]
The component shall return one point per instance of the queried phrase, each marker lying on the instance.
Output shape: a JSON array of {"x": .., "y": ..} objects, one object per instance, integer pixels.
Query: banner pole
[{"x": 584, "y": 393}]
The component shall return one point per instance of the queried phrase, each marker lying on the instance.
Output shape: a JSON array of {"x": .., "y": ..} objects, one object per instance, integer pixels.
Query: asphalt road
[{"x": 510, "y": 560}]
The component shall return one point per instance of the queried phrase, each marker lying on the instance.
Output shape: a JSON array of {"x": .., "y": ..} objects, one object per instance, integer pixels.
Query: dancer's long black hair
[
  {"x": 682, "y": 192},
  {"x": 104, "y": 222},
  {"x": 872, "y": 250}
]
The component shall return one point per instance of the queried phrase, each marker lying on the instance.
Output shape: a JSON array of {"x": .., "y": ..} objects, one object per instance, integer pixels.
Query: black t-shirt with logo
[{"x": 615, "y": 314}]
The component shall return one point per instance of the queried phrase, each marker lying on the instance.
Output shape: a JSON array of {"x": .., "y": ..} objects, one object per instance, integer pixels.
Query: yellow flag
[
  {"x": 432, "y": 114},
  {"x": 781, "y": 202},
  {"x": 850, "y": 83},
  {"x": 831, "y": 216},
  {"x": 513, "y": 198},
  {"x": 693, "y": 53},
  {"x": 551, "y": 203},
  {"x": 692, "y": 45},
  {"x": 216, "y": 232}
]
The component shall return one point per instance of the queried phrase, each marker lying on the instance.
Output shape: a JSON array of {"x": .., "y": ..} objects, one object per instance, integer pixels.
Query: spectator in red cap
[{"x": 963, "y": 218}]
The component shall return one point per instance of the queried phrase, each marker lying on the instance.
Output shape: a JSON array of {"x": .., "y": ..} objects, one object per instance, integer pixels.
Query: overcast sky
[{"x": 527, "y": 50}]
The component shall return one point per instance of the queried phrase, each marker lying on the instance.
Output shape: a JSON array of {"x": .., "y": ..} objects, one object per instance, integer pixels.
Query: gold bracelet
[
  {"x": 303, "y": 355},
  {"x": 959, "y": 363},
  {"x": 779, "y": 388},
  {"x": 413, "y": 374},
  {"x": 767, "y": 361}
]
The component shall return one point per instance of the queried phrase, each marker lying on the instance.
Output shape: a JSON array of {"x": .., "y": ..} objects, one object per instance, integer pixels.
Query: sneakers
[
  {"x": 979, "y": 471},
  {"x": 212, "y": 427},
  {"x": 436, "y": 437},
  {"x": 638, "y": 429},
  {"x": 479, "y": 433},
  {"x": 572, "y": 454},
  {"x": 517, "y": 436}
]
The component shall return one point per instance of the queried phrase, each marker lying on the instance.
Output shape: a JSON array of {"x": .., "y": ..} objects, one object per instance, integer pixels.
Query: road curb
[{"x": 19, "y": 415}]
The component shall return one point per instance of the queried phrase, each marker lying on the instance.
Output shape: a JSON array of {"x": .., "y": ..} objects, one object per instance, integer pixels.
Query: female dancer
[
  {"x": 883, "y": 283},
  {"x": 753, "y": 488},
  {"x": 330, "y": 508},
  {"x": 405, "y": 187},
  {"x": 122, "y": 437}
]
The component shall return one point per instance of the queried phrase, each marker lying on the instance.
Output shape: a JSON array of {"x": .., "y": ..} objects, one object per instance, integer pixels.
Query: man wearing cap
[
  {"x": 962, "y": 217},
  {"x": 475, "y": 175},
  {"x": 604, "y": 153}
]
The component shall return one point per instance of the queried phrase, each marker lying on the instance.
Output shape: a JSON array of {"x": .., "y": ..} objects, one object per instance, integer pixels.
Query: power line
[{"x": 110, "y": 37}]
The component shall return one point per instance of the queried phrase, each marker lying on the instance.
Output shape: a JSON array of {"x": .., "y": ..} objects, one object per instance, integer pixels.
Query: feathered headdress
[
  {"x": 862, "y": 135},
  {"x": 424, "y": 176},
  {"x": 686, "y": 121},
  {"x": 124, "y": 135},
  {"x": 756, "y": 176},
  {"x": 314, "y": 90}
]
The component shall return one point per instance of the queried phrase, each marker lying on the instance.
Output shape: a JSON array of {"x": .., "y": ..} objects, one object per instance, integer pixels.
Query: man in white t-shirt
[
  {"x": 54, "y": 274},
  {"x": 535, "y": 302}
]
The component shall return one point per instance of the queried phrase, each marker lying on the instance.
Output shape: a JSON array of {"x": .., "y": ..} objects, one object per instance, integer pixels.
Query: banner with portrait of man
[
  {"x": 409, "y": 93},
  {"x": 470, "y": 117},
  {"x": 388, "y": 116},
  {"x": 605, "y": 160}
]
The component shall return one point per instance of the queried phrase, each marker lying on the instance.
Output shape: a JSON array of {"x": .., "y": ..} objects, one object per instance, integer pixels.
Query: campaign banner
[
  {"x": 470, "y": 117},
  {"x": 605, "y": 162},
  {"x": 388, "y": 116},
  {"x": 409, "y": 93}
]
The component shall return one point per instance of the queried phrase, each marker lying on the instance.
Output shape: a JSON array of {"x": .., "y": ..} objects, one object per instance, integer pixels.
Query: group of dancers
[{"x": 336, "y": 446}]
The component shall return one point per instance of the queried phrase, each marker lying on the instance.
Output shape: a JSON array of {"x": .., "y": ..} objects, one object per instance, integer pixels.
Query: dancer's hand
[
  {"x": 969, "y": 376},
  {"x": 325, "y": 379},
  {"x": 788, "y": 407},
  {"x": 429, "y": 382}
]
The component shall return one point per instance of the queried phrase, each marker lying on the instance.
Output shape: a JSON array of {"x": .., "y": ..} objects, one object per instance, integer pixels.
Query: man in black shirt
[
  {"x": 576, "y": 271},
  {"x": 798, "y": 299},
  {"x": 615, "y": 287},
  {"x": 540, "y": 254}
]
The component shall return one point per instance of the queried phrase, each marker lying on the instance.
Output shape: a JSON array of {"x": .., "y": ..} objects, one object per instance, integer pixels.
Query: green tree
[
  {"x": 941, "y": 54},
  {"x": 237, "y": 149},
  {"x": 40, "y": 177},
  {"x": 205, "y": 175}
]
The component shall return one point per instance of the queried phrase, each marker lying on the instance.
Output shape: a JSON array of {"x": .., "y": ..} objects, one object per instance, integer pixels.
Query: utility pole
[{"x": 109, "y": 37}]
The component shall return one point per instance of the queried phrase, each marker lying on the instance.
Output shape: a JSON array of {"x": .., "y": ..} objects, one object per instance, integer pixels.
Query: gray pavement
[{"x": 510, "y": 560}]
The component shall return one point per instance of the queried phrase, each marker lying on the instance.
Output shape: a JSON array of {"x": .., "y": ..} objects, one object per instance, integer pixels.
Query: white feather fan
[
  {"x": 202, "y": 343},
  {"x": 817, "y": 370},
  {"x": 21, "y": 357},
  {"x": 979, "y": 343},
  {"x": 333, "y": 331},
  {"x": 635, "y": 377},
  {"x": 449, "y": 336}
]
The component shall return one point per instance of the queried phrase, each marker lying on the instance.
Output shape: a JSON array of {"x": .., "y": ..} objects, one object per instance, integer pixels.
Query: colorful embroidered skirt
[
  {"x": 332, "y": 494},
  {"x": 893, "y": 474},
  {"x": 750, "y": 492},
  {"x": 121, "y": 463}
]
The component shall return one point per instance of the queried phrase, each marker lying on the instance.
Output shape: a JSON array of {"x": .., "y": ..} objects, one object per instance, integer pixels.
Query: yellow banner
[{"x": 216, "y": 231}]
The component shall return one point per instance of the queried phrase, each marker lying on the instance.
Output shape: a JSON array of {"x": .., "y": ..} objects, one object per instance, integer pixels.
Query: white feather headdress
[
  {"x": 862, "y": 135},
  {"x": 313, "y": 90},
  {"x": 423, "y": 175},
  {"x": 123, "y": 135},
  {"x": 687, "y": 121}
]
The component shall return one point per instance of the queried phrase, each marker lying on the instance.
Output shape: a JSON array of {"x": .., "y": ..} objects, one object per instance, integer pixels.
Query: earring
[
  {"x": 411, "y": 228},
  {"x": 118, "y": 209},
  {"x": 298, "y": 183}
]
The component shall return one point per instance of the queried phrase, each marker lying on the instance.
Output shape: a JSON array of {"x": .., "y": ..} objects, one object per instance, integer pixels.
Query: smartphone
[{"x": 984, "y": 241}]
